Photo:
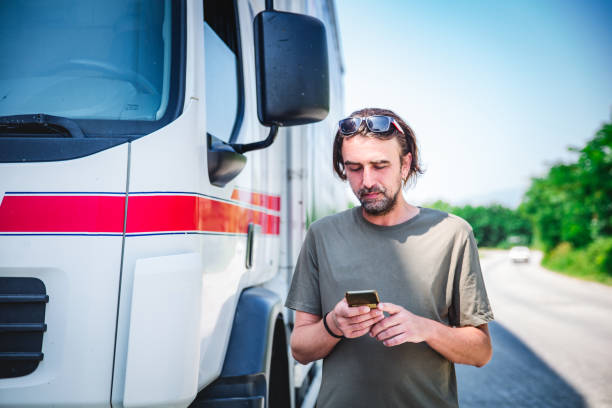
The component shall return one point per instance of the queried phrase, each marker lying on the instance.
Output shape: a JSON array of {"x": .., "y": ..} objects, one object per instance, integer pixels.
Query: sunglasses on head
[{"x": 376, "y": 124}]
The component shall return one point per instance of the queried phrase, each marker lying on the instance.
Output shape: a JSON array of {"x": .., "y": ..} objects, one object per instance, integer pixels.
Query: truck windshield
[{"x": 86, "y": 59}]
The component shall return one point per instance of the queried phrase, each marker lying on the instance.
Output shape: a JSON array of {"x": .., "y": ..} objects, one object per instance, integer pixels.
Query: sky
[{"x": 495, "y": 91}]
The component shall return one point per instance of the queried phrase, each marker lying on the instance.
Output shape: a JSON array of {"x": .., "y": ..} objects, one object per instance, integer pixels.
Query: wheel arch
[{"x": 256, "y": 354}]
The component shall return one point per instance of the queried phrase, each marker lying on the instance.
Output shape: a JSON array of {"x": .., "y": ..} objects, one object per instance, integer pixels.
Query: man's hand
[
  {"x": 400, "y": 327},
  {"x": 353, "y": 322},
  {"x": 463, "y": 345}
]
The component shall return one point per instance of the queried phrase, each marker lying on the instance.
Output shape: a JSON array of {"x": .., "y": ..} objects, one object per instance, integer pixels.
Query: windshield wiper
[{"x": 40, "y": 123}]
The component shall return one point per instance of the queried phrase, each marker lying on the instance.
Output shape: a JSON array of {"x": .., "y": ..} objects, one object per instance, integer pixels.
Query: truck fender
[{"x": 256, "y": 360}]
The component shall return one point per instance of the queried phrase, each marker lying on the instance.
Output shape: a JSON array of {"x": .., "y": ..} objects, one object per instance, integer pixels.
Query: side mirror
[
  {"x": 292, "y": 69},
  {"x": 292, "y": 84}
]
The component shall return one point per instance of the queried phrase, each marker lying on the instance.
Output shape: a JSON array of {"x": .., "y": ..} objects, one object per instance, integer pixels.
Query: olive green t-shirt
[{"x": 429, "y": 265}]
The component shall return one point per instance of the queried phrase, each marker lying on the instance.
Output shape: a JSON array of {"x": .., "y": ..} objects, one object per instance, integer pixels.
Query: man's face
[{"x": 374, "y": 171}]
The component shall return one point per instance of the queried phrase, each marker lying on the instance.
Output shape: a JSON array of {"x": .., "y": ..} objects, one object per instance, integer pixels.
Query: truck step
[{"x": 246, "y": 402}]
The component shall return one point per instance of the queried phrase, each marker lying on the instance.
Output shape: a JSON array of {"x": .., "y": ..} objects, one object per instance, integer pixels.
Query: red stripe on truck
[
  {"x": 194, "y": 213},
  {"x": 48, "y": 213},
  {"x": 261, "y": 200},
  {"x": 146, "y": 214}
]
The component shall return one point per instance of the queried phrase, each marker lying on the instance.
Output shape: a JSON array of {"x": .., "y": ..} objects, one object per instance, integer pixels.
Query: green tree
[
  {"x": 573, "y": 203},
  {"x": 493, "y": 225},
  {"x": 595, "y": 164}
]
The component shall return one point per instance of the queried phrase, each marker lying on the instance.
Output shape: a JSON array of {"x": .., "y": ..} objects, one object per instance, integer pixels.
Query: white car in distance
[{"x": 519, "y": 254}]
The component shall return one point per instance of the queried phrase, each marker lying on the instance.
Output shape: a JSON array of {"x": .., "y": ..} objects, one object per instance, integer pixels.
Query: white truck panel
[
  {"x": 79, "y": 271},
  {"x": 101, "y": 172},
  {"x": 80, "y": 316},
  {"x": 164, "y": 329}
]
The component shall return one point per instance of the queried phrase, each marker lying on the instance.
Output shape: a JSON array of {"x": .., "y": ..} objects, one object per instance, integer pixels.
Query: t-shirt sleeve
[
  {"x": 304, "y": 294},
  {"x": 470, "y": 304}
]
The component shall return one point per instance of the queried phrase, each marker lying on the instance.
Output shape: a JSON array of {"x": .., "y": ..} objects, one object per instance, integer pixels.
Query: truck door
[{"x": 182, "y": 216}]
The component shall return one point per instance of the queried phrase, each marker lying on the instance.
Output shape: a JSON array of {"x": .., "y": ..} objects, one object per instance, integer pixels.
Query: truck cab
[{"x": 160, "y": 162}]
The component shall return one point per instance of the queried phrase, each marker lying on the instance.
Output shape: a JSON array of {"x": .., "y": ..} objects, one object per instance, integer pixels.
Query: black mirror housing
[{"x": 292, "y": 69}]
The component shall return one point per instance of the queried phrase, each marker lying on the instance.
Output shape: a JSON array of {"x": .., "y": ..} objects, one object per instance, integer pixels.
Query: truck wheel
[{"x": 279, "y": 389}]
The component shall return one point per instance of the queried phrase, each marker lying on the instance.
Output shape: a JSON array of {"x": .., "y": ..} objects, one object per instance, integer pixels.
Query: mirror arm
[
  {"x": 243, "y": 148},
  {"x": 269, "y": 5}
]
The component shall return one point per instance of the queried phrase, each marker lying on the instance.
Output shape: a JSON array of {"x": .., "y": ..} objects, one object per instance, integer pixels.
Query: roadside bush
[
  {"x": 593, "y": 262},
  {"x": 563, "y": 258},
  {"x": 600, "y": 252}
]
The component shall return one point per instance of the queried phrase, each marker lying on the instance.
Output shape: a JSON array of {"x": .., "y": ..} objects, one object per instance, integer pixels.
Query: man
[{"x": 423, "y": 263}]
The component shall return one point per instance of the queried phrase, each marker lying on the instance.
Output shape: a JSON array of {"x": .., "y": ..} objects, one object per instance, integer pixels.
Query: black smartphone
[{"x": 362, "y": 298}]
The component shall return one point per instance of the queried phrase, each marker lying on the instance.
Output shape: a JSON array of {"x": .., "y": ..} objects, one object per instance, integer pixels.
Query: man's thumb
[{"x": 389, "y": 308}]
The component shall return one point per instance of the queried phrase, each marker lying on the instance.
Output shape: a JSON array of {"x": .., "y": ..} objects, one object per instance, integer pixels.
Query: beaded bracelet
[{"x": 331, "y": 333}]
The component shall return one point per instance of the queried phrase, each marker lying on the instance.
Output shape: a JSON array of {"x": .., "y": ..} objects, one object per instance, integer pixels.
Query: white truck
[{"x": 148, "y": 224}]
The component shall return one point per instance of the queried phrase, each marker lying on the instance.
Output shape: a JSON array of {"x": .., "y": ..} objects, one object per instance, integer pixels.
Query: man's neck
[{"x": 401, "y": 212}]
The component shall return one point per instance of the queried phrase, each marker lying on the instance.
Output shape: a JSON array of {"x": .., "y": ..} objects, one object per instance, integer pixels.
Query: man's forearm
[
  {"x": 462, "y": 345},
  {"x": 310, "y": 342}
]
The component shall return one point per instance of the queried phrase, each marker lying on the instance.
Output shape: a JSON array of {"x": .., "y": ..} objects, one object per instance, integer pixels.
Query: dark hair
[{"x": 407, "y": 141}]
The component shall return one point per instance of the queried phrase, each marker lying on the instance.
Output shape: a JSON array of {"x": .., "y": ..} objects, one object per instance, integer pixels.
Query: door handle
[{"x": 252, "y": 231}]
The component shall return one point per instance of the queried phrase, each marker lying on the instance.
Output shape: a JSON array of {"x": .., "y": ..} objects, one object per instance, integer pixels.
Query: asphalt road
[{"x": 552, "y": 340}]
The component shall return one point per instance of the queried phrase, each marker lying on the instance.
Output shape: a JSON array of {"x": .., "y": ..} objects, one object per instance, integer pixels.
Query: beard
[{"x": 377, "y": 206}]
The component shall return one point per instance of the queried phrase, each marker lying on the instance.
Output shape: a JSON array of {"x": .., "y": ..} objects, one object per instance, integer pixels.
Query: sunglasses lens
[
  {"x": 349, "y": 125},
  {"x": 379, "y": 124}
]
